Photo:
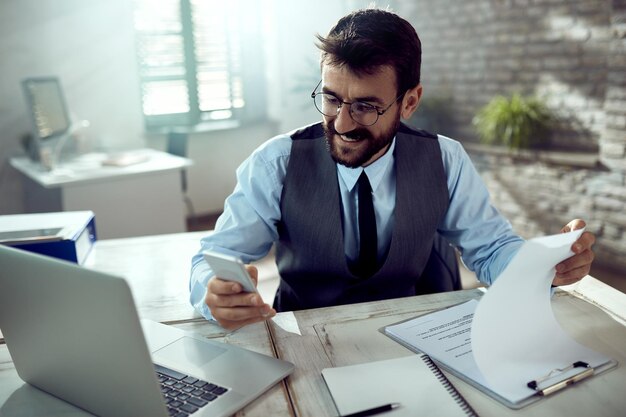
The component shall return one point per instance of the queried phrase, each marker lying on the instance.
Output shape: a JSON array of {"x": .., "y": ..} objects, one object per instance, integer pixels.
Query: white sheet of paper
[
  {"x": 287, "y": 321},
  {"x": 515, "y": 336}
]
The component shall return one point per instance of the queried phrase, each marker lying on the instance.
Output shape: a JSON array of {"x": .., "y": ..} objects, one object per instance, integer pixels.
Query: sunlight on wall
[{"x": 569, "y": 102}]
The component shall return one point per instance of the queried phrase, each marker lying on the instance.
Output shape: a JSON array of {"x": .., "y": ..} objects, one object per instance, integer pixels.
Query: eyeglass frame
[{"x": 379, "y": 112}]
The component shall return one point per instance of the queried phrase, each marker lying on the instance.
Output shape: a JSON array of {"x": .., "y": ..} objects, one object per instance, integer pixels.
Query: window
[{"x": 196, "y": 59}]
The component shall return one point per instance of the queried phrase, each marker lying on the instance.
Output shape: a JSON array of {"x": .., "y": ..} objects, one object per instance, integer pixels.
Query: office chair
[
  {"x": 177, "y": 145},
  {"x": 442, "y": 269}
]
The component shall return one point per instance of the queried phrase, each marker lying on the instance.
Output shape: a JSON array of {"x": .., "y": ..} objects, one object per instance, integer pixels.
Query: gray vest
[{"x": 310, "y": 251}]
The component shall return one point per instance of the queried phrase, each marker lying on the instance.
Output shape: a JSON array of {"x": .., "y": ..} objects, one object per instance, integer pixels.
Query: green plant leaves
[{"x": 517, "y": 122}]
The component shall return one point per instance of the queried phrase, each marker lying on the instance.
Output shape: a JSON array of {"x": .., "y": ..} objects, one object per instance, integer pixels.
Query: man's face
[{"x": 350, "y": 143}]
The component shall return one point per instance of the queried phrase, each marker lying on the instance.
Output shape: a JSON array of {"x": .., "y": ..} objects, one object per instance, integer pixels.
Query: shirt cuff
[{"x": 200, "y": 276}]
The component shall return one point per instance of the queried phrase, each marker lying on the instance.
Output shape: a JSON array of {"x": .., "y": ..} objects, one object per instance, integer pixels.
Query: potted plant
[{"x": 517, "y": 122}]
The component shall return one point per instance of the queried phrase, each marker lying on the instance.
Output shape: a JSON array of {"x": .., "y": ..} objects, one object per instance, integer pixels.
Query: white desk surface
[
  {"x": 157, "y": 269},
  {"x": 335, "y": 336},
  {"x": 89, "y": 167}
]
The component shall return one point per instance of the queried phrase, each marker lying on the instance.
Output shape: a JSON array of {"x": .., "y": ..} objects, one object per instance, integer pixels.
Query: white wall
[
  {"x": 216, "y": 156},
  {"x": 90, "y": 46}
]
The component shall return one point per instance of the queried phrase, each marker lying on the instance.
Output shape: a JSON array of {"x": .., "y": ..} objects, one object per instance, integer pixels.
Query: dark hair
[{"x": 367, "y": 39}]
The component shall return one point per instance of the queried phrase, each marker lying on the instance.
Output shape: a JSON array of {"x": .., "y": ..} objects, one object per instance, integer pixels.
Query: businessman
[{"x": 355, "y": 204}]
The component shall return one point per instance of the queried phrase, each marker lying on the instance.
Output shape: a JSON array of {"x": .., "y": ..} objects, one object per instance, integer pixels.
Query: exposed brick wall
[
  {"x": 613, "y": 138},
  {"x": 570, "y": 52},
  {"x": 557, "y": 49},
  {"x": 538, "y": 198}
]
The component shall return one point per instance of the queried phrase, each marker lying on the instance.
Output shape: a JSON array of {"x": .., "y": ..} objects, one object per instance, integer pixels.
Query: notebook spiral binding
[{"x": 445, "y": 382}]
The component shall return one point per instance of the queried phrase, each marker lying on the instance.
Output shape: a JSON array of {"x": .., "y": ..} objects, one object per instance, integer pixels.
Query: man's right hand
[{"x": 233, "y": 308}]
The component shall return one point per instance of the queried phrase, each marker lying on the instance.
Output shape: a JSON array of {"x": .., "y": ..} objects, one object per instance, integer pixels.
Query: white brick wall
[{"x": 570, "y": 52}]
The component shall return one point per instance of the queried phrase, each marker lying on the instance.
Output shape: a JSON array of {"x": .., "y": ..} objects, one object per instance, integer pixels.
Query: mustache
[{"x": 356, "y": 134}]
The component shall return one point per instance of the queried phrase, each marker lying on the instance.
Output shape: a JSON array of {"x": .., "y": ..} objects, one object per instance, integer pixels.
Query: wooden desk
[
  {"x": 157, "y": 269},
  {"x": 139, "y": 199},
  {"x": 348, "y": 335},
  {"x": 335, "y": 336}
]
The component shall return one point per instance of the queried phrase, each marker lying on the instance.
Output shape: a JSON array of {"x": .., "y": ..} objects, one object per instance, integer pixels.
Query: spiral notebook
[{"x": 415, "y": 382}]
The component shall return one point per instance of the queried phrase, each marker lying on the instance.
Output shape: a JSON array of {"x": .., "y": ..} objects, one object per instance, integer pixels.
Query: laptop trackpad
[{"x": 191, "y": 350}]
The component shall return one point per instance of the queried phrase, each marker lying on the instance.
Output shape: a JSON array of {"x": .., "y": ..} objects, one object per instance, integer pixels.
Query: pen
[{"x": 375, "y": 410}]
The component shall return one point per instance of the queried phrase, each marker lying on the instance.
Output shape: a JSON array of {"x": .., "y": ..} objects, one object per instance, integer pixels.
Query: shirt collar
[{"x": 374, "y": 171}]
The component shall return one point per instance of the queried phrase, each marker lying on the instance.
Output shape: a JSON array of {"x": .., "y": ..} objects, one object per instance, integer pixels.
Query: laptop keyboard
[{"x": 184, "y": 394}]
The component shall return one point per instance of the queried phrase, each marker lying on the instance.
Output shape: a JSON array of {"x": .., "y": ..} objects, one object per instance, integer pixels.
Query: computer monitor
[{"x": 48, "y": 112}]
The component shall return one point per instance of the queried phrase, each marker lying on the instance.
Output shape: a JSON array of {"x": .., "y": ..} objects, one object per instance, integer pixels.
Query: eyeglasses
[{"x": 361, "y": 112}]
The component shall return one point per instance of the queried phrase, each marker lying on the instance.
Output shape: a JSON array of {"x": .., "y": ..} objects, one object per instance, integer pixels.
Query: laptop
[{"x": 75, "y": 333}]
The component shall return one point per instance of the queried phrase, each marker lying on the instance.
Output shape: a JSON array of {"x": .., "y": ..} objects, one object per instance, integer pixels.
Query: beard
[{"x": 369, "y": 145}]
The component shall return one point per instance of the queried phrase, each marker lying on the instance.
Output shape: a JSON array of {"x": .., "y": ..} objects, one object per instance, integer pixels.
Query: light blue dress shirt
[{"x": 247, "y": 227}]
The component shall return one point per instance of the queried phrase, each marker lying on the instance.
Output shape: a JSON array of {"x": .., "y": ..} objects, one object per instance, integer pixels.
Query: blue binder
[{"x": 65, "y": 235}]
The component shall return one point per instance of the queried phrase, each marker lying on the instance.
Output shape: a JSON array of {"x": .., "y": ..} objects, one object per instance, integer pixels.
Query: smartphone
[{"x": 229, "y": 268}]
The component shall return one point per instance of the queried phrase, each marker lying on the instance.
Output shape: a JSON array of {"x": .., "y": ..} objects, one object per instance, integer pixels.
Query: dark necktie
[{"x": 368, "y": 247}]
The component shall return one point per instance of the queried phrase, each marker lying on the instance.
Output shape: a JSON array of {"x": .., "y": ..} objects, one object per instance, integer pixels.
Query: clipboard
[
  {"x": 556, "y": 383},
  {"x": 546, "y": 385},
  {"x": 551, "y": 382}
]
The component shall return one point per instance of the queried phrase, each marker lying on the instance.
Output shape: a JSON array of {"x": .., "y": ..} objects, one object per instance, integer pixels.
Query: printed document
[{"x": 445, "y": 336}]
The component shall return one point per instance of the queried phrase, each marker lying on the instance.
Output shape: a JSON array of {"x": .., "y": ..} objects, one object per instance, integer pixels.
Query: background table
[{"x": 140, "y": 199}]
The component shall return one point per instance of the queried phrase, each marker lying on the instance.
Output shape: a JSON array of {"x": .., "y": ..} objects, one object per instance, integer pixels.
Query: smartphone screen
[{"x": 230, "y": 268}]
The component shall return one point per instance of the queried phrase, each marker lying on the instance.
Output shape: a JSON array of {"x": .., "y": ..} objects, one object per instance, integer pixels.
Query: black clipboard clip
[{"x": 587, "y": 372}]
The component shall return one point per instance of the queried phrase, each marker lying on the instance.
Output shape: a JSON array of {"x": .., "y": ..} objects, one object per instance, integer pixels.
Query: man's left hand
[{"x": 577, "y": 266}]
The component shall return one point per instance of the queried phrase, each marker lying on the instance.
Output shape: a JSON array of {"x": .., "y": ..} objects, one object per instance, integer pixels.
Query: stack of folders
[{"x": 414, "y": 382}]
